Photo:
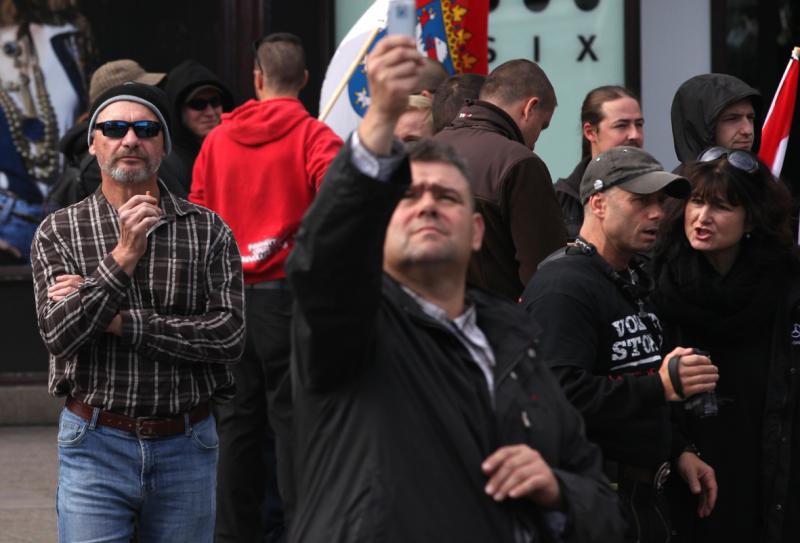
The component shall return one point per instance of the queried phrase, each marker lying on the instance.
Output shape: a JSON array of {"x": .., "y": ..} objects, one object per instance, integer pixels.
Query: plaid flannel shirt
[{"x": 182, "y": 310}]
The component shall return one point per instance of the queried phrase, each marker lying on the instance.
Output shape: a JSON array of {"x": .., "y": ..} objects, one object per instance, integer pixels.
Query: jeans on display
[{"x": 109, "y": 480}]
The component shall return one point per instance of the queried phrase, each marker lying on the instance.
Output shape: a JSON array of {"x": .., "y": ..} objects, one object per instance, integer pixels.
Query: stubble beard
[{"x": 129, "y": 175}]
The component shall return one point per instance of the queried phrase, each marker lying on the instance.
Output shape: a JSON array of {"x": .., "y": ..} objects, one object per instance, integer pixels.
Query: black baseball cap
[{"x": 633, "y": 170}]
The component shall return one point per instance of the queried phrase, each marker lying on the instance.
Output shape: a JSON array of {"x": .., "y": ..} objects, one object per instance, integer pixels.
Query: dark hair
[
  {"x": 518, "y": 79},
  {"x": 430, "y": 150},
  {"x": 282, "y": 60},
  {"x": 592, "y": 108},
  {"x": 766, "y": 201},
  {"x": 431, "y": 75},
  {"x": 451, "y": 95}
]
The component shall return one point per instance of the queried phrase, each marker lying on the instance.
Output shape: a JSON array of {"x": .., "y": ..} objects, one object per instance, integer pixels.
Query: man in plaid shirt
[{"x": 139, "y": 302}]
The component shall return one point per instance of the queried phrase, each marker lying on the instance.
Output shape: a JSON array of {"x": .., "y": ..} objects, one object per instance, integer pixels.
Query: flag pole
[{"x": 350, "y": 71}]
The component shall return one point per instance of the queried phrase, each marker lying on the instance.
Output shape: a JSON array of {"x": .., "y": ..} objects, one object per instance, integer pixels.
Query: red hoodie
[{"x": 259, "y": 170}]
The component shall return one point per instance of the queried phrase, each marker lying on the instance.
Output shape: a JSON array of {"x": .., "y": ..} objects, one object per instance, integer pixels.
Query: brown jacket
[{"x": 514, "y": 193}]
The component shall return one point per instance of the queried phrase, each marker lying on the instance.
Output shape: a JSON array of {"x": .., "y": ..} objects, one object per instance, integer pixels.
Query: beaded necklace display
[{"x": 40, "y": 158}]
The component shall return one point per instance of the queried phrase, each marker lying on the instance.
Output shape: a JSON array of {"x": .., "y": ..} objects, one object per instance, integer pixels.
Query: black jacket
[
  {"x": 514, "y": 193},
  {"x": 392, "y": 418},
  {"x": 749, "y": 322},
  {"x": 181, "y": 80},
  {"x": 568, "y": 194},
  {"x": 81, "y": 174},
  {"x": 696, "y": 106}
]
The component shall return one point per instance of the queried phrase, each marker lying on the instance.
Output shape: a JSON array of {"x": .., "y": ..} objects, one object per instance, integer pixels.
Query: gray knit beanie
[{"x": 151, "y": 97}]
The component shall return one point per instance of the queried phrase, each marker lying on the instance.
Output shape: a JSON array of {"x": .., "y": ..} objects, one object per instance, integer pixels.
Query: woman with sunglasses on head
[
  {"x": 197, "y": 98},
  {"x": 727, "y": 283}
]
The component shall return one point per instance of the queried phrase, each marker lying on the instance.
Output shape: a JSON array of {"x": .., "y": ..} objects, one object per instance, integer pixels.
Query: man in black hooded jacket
[
  {"x": 713, "y": 109},
  {"x": 421, "y": 412},
  {"x": 197, "y": 98}
]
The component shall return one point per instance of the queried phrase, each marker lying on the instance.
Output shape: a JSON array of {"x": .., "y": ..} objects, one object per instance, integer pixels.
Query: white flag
[{"x": 352, "y": 103}]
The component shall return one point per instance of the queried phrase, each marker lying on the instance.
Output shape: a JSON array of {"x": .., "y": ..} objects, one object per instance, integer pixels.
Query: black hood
[
  {"x": 696, "y": 106},
  {"x": 73, "y": 143},
  {"x": 181, "y": 80}
]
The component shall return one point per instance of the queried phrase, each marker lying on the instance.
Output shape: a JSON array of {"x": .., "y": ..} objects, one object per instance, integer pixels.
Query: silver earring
[{"x": 747, "y": 235}]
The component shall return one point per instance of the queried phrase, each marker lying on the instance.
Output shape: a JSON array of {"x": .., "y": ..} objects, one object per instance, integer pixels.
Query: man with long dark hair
[{"x": 610, "y": 116}]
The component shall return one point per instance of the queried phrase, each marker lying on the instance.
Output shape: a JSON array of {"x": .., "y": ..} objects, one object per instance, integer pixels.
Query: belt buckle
[
  {"x": 662, "y": 474},
  {"x": 144, "y": 432}
]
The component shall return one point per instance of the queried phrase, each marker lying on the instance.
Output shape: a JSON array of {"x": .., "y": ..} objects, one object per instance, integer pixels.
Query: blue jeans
[{"x": 109, "y": 479}]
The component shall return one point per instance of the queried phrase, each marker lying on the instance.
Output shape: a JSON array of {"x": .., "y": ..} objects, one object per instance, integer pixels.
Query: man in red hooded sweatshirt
[{"x": 260, "y": 170}]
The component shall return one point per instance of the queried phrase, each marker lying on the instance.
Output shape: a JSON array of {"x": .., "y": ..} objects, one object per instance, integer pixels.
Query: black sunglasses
[
  {"x": 118, "y": 129},
  {"x": 199, "y": 104},
  {"x": 741, "y": 160}
]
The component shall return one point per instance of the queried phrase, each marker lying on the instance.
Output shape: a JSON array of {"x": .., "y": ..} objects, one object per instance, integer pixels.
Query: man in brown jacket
[{"x": 512, "y": 186}]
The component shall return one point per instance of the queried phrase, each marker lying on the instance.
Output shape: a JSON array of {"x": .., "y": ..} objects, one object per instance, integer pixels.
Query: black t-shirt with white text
[{"x": 602, "y": 349}]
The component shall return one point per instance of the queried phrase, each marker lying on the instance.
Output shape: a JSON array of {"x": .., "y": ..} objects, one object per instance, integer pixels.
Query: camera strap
[{"x": 635, "y": 289}]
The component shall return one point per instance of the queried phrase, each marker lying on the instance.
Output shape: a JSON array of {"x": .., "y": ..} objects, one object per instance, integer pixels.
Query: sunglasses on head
[
  {"x": 118, "y": 129},
  {"x": 741, "y": 160},
  {"x": 200, "y": 104}
]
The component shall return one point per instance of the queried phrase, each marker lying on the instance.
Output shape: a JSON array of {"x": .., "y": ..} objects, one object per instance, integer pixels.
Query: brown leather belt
[{"x": 143, "y": 427}]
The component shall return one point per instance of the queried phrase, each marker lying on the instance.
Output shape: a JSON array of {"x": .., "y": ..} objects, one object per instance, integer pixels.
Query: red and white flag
[{"x": 778, "y": 124}]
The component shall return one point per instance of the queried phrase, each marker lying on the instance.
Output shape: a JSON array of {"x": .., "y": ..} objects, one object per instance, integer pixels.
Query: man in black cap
[
  {"x": 602, "y": 339},
  {"x": 139, "y": 302}
]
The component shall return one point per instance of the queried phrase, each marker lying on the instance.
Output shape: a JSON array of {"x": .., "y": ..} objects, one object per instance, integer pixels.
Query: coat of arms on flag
[{"x": 454, "y": 32}]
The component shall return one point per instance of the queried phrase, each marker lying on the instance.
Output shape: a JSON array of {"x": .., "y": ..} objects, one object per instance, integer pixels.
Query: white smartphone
[{"x": 402, "y": 18}]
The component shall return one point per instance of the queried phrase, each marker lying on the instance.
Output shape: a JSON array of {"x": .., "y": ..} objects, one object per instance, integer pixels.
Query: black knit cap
[{"x": 151, "y": 97}]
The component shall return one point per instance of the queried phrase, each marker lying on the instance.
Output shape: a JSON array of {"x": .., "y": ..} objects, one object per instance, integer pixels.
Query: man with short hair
[
  {"x": 260, "y": 170},
  {"x": 512, "y": 186},
  {"x": 431, "y": 75},
  {"x": 139, "y": 301},
  {"x": 610, "y": 116},
  {"x": 602, "y": 340},
  {"x": 713, "y": 109},
  {"x": 420, "y": 410}
]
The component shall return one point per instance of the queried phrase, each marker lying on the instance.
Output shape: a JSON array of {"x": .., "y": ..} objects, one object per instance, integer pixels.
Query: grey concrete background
[
  {"x": 28, "y": 478},
  {"x": 27, "y": 405}
]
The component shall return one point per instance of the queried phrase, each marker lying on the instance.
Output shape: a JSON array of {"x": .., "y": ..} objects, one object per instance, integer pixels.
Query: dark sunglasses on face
[
  {"x": 741, "y": 160},
  {"x": 117, "y": 129},
  {"x": 199, "y": 104}
]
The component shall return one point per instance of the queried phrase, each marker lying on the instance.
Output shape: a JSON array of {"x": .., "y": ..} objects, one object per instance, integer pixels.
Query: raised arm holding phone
[{"x": 419, "y": 410}]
